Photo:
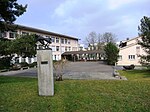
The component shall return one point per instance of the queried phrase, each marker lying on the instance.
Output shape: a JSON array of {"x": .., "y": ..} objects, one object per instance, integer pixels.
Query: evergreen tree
[
  {"x": 144, "y": 32},
  {"x": 112, "y": 53},
  {"x": 6, "y": 53},
  {"x": 25, "y": 46},
  {"x": 9, "y": 11},
  {"x": 5, "y": 47}
]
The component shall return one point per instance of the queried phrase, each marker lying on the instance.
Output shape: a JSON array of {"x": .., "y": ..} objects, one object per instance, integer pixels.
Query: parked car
[{"x": 131, "y": 67}]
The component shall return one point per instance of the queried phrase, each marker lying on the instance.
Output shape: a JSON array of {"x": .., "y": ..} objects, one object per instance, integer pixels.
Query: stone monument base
[{"x": 45, "y": 72}]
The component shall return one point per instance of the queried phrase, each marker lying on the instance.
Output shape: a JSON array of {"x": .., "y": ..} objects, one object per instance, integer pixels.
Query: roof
[
  {"x": 130, "y": 45},
  {"x": 132, "y": 39},
  {"x": 42, "y": 31},
  {"x": 82, "y": 52}
]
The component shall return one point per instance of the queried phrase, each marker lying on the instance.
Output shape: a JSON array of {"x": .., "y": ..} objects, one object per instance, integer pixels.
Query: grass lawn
[{"x": 21, "y": 95}]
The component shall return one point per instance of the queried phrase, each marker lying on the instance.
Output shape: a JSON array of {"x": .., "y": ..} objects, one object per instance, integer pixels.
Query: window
[
  {"x": 57, "y": 48},
  {"x": 68, "y": 41},
  {"x": 57, "y": 40},
  {"x": 62, "y": 41},
  {"x": 65, "y": 41},
  {"x": 69, "y": 48},
  {"x": 25, "y": 33},
  {"x": 12, "y": 34},
  {"x": 53, "y": 39},
  {"x": 131, "y": 57},
  {"x": 138, "y": 50},
  {"x": 65, "y": 48}
]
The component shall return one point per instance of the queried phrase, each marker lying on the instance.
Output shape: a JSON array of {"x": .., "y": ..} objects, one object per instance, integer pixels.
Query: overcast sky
[{"x": 80, "y": 17}]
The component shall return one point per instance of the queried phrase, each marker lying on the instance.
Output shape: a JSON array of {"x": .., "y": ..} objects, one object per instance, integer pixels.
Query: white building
[
  {"x": 60, "y": 43},
  {"x": 130, "y": 51}
]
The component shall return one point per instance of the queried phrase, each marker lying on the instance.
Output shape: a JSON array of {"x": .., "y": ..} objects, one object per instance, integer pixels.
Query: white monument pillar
[{"x": 45, "y": 72}]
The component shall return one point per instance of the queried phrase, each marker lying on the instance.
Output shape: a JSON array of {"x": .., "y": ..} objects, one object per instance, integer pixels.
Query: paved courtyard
[
  {"x": 74, "y": 70},
  {"x": 88, "y": 70}
]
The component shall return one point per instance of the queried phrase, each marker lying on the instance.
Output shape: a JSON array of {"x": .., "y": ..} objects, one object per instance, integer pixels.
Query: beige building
[
  {"x": 60, "y": 43},
  {"x": 130, "y": 51}
]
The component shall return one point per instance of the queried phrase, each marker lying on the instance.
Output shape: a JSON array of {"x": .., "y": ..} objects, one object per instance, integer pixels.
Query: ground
[
  {"x": 74, "y": 70},
  {"x": 88, "y": 70}
]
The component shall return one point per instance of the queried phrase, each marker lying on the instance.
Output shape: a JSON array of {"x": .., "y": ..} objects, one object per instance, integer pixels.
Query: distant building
[
  {"x": 60, "y": 43},
  {"x": 81, "y": 47},
  {"x": 130, "y": 51},
  {"x": 91, "y": 53}
]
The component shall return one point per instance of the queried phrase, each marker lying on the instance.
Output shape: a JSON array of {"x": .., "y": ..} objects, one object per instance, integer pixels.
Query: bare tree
[
  {"x": 91, "y": 38},
  {"x": 59, "y": 67},
  {"x": 100, "y": 44},
  {"x": 97, "y": 41},
  {"x": 108, "y": 37}
]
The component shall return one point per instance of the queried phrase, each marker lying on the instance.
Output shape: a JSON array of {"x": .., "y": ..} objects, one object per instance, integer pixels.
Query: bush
[{"x": 5, "y": 62}]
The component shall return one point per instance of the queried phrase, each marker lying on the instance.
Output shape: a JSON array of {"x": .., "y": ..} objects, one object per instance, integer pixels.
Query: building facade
[
  {"x": 91, "y": 53},
  {"x": 60, "y": 43},
  {"x": 130, "y": 51}
]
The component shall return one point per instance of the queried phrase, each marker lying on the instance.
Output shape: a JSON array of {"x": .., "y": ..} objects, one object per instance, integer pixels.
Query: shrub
[{"x": 5, "y": 62}]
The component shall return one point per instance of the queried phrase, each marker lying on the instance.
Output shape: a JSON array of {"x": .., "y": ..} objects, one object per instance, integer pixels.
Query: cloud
[
  {"x": 120, "y": 17},
  {"x": 113, "y": 4},
  {"x": 77, "y": 8},
  {"x": 80, "y": 17},
  {"x": 64, "y": 8}
]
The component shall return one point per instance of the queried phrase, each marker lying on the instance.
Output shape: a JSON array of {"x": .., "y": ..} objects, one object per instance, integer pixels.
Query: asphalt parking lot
[{"x": 73, "y": 70}]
